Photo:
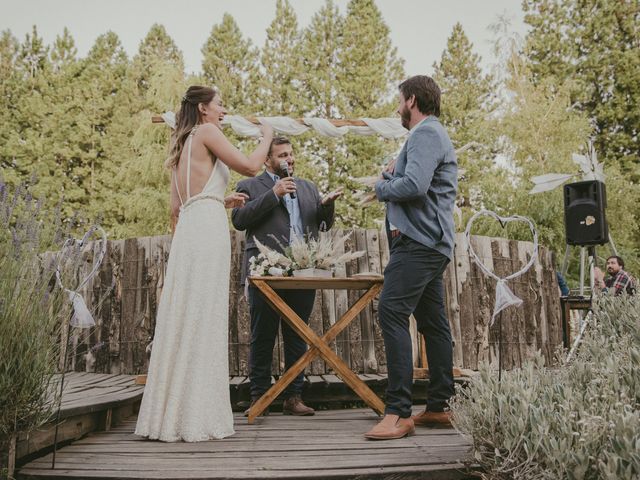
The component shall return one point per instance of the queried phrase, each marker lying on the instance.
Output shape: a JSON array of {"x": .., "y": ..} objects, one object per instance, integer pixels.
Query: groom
[
  {"x": 420, "y": 192},
  {"x": 280, "y": 208}
]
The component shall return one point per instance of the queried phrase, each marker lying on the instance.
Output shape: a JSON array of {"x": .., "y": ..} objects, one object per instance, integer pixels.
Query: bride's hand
[
  {"x": 235, "y": 200},
  {"x": 266, "y": 130}
]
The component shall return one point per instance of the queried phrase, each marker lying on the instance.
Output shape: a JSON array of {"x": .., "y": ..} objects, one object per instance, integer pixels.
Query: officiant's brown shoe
[
  {"x": 433, "y": 419},
  {"x": 391, "y": 427},
  {"x": 295, "y": 406},
  {"x": 265, "y": 413}
]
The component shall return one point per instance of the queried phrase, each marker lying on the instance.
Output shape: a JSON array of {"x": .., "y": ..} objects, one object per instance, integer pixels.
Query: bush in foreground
[
  {"x": 31, "y": 312},
  {"x": 575, "y": 421}
]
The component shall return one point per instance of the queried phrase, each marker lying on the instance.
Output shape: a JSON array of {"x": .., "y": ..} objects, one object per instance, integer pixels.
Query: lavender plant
[
  {"x": 31, "y": 312},
  {"x": 576, "y": 421}
]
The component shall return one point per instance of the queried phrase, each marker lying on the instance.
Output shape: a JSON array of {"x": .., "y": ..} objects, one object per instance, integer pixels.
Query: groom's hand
[
  {"x": 332, "y": 196},
  {"x": 389, "y": 168}
]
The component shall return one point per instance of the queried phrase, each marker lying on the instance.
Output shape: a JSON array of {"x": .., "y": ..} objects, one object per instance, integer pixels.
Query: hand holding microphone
[{"x": 290, "y": 186}]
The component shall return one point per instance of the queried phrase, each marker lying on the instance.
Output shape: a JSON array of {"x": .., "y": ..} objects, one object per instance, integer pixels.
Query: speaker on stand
[
  {"x": 586, "y": 226},
  {"x": 585, "y": 222}
]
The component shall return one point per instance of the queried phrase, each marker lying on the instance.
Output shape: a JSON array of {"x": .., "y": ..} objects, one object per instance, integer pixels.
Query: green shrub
[
  {"x": 31, "y": 312},
  {"x": 575, "y": 421}
]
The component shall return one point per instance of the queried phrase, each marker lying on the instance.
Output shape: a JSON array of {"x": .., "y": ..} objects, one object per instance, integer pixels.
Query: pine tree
[
  {"x": 103, "y": 80},
  {"x": 282, "y": 67},
  {"x": 370, "y": 66},
  {"x": 321, "y": 42},
  {"x": 64, "y": 51},
  {"x": 230, "y": 64},
  {"x": 156, "y": 49},
  {"x": 10, "y": 93},
  {"x": 136, "y": 184},
  {"x": 465, "y": 105},
  {"x": 366, "y": 80},
  {"x": 596, "y": 45}
]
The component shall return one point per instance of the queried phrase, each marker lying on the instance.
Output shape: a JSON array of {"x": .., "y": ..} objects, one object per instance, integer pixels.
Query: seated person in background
[{"x": 618, "y": 281}]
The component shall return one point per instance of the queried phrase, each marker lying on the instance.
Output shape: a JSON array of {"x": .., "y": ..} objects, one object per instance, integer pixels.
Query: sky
[{"x": 418, "y": 28}]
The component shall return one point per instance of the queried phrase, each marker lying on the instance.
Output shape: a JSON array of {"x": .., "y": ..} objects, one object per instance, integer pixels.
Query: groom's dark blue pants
[
  {"x": 413, "y": 285},
  {"x": 264, "y": 331}
]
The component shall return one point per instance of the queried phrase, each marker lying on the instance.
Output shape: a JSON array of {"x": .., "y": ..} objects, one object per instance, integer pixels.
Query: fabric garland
[{"x": 385, "y": 127}]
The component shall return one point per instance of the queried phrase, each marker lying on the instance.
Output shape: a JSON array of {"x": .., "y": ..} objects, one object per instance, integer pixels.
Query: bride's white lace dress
[{"x": 186, "y": 396}]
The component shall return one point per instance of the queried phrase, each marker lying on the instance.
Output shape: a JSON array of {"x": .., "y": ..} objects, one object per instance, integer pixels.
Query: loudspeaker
[{"x": 585, "y": 222}]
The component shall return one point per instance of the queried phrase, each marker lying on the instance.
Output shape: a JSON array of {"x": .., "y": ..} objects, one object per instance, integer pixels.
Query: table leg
[{"x": 318, "y": 347}]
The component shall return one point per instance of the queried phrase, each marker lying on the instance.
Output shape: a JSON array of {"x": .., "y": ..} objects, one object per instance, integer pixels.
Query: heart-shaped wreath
[
  {"x": 504, "y": 296},
  {"x": 82, "y": 317}
]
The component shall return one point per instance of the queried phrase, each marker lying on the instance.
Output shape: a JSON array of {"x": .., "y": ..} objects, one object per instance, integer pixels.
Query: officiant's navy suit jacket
[{"x": 265, "y": 216}]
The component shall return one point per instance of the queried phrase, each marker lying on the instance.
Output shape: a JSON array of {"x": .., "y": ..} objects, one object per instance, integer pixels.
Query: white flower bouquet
[
  {"x": 321, "y": 254},
  {"x": 303, "y": 258},
  {"x": 269, "y": 262}
]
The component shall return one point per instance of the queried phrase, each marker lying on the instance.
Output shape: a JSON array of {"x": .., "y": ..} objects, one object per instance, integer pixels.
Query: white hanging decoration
[
  {"x": 82, "y": 317},
  {"x": 590, "y": 169},
  {"x": 170, "y": 119},
  {"x": 548, "y": 181},
  {"x": 504, "y": 296}
]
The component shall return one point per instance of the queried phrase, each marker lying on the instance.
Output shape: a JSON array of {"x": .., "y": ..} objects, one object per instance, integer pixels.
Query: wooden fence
[{"x": 124, "y": 297}]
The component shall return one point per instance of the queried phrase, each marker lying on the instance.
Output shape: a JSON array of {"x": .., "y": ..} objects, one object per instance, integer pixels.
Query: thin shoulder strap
[
  {"x": 191, "y": 134},
  {"x": 189, "y": 164},
  {"x": 175, "y": 178}
]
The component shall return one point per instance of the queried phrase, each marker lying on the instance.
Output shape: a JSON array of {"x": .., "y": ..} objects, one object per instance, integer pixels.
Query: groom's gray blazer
[
  {"x": 421, "y": 192},
  {"x": 265, "y": 216}
]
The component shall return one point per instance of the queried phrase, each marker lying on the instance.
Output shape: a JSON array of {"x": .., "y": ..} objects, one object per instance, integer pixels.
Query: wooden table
[{"x": 318, "y": 345}]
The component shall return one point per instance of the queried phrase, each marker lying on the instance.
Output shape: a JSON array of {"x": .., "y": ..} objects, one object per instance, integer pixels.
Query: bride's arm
[{"x": 218, "y": 144}]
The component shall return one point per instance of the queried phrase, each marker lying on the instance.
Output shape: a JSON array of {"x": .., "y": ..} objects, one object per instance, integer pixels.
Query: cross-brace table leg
[{"x": 319, "y": 346}]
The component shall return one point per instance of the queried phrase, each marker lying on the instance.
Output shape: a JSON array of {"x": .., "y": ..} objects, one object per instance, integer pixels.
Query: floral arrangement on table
[
  {"x": 269, "y": 262},
  {"x": 313, "y": 257}
]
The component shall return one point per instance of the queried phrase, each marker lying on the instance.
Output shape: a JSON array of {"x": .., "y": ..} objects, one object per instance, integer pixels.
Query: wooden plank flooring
[
  {"x": 89, "y": 392},
  {"x": 328, "y": 445},
  {"x": 90, "y": 401}
]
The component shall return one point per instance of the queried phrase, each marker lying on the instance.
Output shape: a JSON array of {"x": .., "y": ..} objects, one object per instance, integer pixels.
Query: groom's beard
[{"x": 405, "y": 117}]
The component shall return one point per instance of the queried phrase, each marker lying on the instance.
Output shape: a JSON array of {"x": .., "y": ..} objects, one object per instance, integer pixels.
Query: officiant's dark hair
[
  {"x": 426, "y": 91},
  {"x": 278, "y": 140},
  {"x": 187, "y": 117}
]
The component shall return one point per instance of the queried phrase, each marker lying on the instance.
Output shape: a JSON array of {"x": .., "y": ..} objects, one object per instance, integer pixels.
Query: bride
[{"x": 187, "y": 392}]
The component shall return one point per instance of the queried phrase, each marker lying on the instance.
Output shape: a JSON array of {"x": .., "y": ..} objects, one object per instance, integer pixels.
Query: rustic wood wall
[{"x": 124, "y": 298}]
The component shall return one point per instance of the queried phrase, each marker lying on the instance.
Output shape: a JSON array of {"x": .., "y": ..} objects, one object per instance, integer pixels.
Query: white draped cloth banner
[
  {"x": 504, "y": 296},
  {"x": 385, "y": 127}
]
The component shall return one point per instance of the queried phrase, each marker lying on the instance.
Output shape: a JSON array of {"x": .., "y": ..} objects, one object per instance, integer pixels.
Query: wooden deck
[
  {"x": 328, "y": 445},
  {"x": 90, "y": 402}
]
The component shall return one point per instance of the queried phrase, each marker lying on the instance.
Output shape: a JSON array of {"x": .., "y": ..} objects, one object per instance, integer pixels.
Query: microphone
[{"x": 284, "y": 166}]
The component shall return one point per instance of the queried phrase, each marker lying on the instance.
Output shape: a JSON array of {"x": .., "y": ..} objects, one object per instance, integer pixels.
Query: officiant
[{"x": 281, "y": 207}]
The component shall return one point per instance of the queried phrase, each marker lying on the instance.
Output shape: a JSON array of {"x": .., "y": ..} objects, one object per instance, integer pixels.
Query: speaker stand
[{"x": 586, "y": 253}]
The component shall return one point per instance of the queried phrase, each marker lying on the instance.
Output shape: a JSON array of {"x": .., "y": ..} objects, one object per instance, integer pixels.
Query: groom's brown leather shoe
[
  {"x": 295, "y": 406},
  {"x": 386, "y": 430},
  {"x": 265, "y": 413},
  {"x": 433, "y": 419}
]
